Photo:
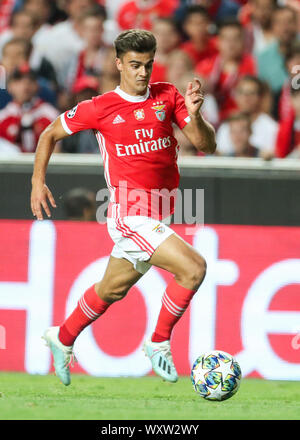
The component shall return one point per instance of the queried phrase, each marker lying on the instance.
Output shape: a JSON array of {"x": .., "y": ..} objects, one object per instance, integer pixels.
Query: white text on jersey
[{"x": 143, "y": 147}]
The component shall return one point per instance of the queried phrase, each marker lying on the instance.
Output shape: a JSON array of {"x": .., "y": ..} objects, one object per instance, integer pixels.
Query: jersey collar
[{"x": 132, "y": 98}]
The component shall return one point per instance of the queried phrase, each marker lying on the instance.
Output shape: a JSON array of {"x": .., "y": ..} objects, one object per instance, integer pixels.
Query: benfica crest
[
  {"x": 139, "y": 114},
  {"x": 160, "y": 112}
]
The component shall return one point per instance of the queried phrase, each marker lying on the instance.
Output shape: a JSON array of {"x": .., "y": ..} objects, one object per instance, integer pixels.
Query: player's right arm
[
  {"x": 81, "y": 117},
  {"x": 40, "y": 193}
]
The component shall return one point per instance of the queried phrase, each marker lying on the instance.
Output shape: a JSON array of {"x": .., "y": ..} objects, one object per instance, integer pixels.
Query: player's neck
[
  {"x": 130, "y": 97},
  {"x": 131, "y": 92}
]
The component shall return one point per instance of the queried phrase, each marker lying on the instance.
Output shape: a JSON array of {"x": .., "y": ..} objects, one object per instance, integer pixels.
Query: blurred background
[{"x": 54, "y": 54}]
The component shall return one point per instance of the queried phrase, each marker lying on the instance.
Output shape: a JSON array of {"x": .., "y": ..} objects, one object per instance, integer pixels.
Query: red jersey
[
  {"x": 288, "y": 137},
  {"x": 138, "y": 147},
  {"x": 7, "y": 7},
  {"x": 134, "y": 14},
  {"x": 285, "y": 107},
  {"x": 197, "y": 56},
  {"x": 23, "y": 125}
]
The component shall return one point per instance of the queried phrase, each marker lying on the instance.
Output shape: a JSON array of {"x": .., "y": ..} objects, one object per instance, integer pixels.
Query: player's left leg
[
  {"x": 119, "y": 277},
  {"x": 189, "y": 268}
]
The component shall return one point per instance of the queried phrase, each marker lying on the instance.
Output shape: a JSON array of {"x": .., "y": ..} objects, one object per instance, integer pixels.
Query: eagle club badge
[
  {"x": 139, "y": 114},
  {"x": 160, "y": 112}
]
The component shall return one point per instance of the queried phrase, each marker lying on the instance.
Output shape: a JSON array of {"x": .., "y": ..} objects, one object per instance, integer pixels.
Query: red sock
[
  {"x": 89, "y": 308},
  {"x": 174, "y": 303}
]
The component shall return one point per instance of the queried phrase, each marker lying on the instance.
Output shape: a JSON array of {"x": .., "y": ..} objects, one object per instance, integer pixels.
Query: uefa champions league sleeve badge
[{"x": 72, "y": 112}]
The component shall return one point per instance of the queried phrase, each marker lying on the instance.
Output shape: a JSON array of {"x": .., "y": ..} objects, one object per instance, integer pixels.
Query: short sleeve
[
  {"x": 180, "y": 113},
  {"x": 81, "y": 117}
]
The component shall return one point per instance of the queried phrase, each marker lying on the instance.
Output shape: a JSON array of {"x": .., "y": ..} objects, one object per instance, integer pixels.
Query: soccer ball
[{"x": 216, "y": 375}]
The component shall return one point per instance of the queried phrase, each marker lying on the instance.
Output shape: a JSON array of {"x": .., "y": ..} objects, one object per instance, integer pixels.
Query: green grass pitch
[{"x": 33, "y": 397}]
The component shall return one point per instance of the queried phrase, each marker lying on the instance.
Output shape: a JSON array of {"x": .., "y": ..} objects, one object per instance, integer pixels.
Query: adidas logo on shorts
[{"x": 118, "y": 120}]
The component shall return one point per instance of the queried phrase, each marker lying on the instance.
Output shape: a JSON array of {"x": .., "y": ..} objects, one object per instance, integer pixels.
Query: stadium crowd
[{"x": 54, "y": 54}]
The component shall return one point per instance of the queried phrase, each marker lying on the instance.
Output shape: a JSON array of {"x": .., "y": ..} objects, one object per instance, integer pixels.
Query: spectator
[
  {"x": 25, "y": 25},
  {"x": 271, "y": 65},
  {"x": 249, "y": 97},
  {"x": 288, "y": 139},
  {"x": 167, "y": 39},
  {"x": 257, "y": 22},
  {"x": 91, "y": 59},
  {"x": 26, "y": 116},
  {"x": 223, "y": 71},
  {"x": 180, "y": 72},
  {"x": 240, "y": 133},
  {"x": 86, "y": 87},
  {"x": 42, "y": 10},
  {"x": 64, "y": 39},
  {"x": 179, "y": 65},
  {"x": 141, "y": 13},
  {"x": 110, "y": 76},
  {"x": 84, "y": 141},
  {"x": 80, "y": 205},
  {"x": 180, "y": 76},
  {"x": 200, "y": 44},
  {"x": 292, "y": 61},
  {"x": 218, "y": 10},
  {"x": 295, "y": 5},
  {"x": 7, "y": 8},
  {"x": 17, "y": 52}
]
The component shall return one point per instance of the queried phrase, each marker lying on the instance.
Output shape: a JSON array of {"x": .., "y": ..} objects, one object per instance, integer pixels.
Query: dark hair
[
  {"x": 229, "y": 22},
  {"x": 274, "y": 3},
  {"x": 257, "y": 81},
  {"x": 137, "y": 40},
  {"x": 96, "y": 11},
  {"x": 239, "y": 116},
  {"x": 196, "y": 9},
  {"x": 75, "y": 201},
  {"x": 168, "y": 20},
  {"x": 23, "y": 71},
  {"x": 293, "y": 50},
  {"x": 27, "y": 45}
]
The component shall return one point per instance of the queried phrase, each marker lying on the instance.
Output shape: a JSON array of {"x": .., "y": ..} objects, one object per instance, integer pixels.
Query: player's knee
[
  {"x": 110, "y": 293},
  {"x": 199, "y": 272},
  {"x": 195, "y": 273}
]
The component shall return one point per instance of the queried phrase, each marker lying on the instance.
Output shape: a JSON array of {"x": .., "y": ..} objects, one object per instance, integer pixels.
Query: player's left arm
[{"x": 199, "y": 132}]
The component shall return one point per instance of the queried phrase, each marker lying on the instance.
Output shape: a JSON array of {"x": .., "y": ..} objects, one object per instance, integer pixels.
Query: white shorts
[{"x": 136, "y": 239}]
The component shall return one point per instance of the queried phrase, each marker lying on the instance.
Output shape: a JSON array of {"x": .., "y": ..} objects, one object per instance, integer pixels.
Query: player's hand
[
  {"x": 194, "y": 97},
  {"x": 40, "y": 195}
]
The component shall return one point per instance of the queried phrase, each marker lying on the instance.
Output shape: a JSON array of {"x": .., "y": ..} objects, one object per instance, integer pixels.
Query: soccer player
[{"x": 133, "y": 126}]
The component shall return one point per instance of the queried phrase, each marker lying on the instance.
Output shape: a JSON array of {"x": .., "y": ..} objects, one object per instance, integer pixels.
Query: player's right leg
[
  {"x": 189, "y": 268},
  {"x": 119, "y": 277}
]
